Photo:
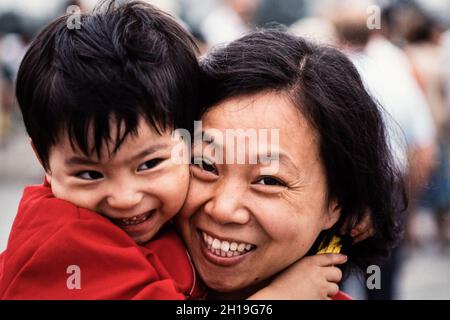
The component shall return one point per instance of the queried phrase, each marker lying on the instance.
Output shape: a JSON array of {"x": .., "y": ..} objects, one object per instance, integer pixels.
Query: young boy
[{"x": 99, "y": 104}]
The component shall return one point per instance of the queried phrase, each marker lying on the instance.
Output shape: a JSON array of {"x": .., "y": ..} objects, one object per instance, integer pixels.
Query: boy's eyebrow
[
  {"x": 79, "y": 160},
  {"x": 76, "y": 160},
  {"x": 148, "y": 151}
]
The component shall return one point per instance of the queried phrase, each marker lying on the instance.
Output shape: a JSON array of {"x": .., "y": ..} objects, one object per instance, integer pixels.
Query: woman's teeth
[
  {"x": 224, "y": 248},
  {"x": 133, "y": 220}
]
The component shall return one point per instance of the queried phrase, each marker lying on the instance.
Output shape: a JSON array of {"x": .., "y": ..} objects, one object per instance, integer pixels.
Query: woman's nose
[{"x": 226, "y": 206}]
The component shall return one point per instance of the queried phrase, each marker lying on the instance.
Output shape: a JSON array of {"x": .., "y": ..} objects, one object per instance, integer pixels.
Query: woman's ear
[
  {"x": 333, "y": 215},
  {"x": 48, "y": 174}
]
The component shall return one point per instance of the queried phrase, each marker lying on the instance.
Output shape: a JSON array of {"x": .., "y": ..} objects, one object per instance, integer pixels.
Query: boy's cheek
[
  {"x": 175, "y": 188},
  {"x": 48, "y": 177},
  {"x": 197, "y": 195},
  {"x": 185, "y": 175},
  {"x": 77, "y": 197},
  {"x": 58, "y": 191},
  {"x": 181, "y": 179}
]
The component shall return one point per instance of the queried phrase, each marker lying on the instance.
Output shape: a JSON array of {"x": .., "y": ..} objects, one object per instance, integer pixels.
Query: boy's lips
[{"x": 135, "y": 220}]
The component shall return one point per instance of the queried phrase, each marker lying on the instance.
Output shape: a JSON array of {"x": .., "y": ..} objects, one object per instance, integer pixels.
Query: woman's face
[{"x": 242, "y": 225}]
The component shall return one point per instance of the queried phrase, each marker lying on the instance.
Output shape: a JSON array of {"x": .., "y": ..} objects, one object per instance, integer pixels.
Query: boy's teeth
[
  {"x": 223, "y": 248},
  {"x": 133, "y": 220}
]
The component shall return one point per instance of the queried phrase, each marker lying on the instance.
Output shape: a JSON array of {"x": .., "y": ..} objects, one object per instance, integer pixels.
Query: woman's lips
[{"x": 223, "y": 252}]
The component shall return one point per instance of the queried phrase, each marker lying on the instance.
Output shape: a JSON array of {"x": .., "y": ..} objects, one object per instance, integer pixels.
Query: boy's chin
[{"x": 143, "y": 239}]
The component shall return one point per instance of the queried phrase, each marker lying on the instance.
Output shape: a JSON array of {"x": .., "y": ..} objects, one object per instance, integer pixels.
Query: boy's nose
[{"x": 124, "y": 200}]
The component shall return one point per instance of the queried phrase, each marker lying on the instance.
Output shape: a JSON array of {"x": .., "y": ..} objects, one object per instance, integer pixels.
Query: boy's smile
[
  {"x": 138, "y": 226},
  {"x": 138, "y": 187},
  {"x": 125, "y": 222}
]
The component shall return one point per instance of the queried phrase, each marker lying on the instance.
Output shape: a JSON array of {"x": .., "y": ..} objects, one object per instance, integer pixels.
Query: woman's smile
[{"x": 223, "y": 251}]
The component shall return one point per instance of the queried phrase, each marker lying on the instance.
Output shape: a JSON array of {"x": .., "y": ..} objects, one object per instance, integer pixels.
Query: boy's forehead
[{"x": 114, "y": 143}]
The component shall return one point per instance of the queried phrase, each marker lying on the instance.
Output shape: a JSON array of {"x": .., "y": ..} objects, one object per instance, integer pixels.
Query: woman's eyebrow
[
  {"x": 288, "y": 164},
  {"x": 284, "y": 159}
]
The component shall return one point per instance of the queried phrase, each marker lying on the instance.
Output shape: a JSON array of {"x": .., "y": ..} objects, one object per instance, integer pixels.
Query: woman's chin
[
  {"x": 228, "y": 281},
  {"x": 221, "y": 287},
  {"x": 233, "y": 290},
  {"x": 222, "y": 282}
]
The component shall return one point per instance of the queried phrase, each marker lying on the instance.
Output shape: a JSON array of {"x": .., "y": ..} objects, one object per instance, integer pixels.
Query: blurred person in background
[
  {"x": 284, "y": 12},
  {"x": 315, "y": 29},
  {"x": 230, "y": 20},
  {"x": 388, "y": 75},
  {"x": 13, "y": 42},
  {"x": 384, "y": 66},
  {"x": 421, "y": 35},
  {"x": 445, "y": 40}
]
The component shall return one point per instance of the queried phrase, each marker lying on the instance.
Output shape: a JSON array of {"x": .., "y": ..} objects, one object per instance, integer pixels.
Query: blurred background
[{"x": 402, "y": 50}]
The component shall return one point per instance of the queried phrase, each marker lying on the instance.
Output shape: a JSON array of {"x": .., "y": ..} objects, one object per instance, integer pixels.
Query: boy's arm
[
  {"x": 310, "y": 278},
  {"x": 364, "y": 229}
]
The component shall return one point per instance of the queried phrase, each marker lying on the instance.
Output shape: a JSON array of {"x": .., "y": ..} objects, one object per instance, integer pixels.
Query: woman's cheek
[{"x": 284, "y": 222}]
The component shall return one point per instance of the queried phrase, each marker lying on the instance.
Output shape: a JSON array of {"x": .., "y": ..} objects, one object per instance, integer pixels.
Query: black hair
[
  {"x": 327, "y": 89},
  {"x": 121, "y": 62}
]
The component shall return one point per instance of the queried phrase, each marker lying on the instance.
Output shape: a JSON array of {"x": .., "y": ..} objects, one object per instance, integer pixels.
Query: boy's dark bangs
[
  {"x": 90, "y": 116},
  {"x": 91, "y": 133}
]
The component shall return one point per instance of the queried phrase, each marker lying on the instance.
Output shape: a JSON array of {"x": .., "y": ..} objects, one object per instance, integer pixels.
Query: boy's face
[{"x": 139, "y": 188}]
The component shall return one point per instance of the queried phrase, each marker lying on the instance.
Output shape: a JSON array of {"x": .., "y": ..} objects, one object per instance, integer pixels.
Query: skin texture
[
  {"x": 280, "y": 215},
  {"x": 139, "y": 178}
]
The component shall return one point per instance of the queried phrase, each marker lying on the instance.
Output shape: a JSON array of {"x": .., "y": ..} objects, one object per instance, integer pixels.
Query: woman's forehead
[
  {"x": 262, "y": 110},
  {"x": 263, "y": 116}
]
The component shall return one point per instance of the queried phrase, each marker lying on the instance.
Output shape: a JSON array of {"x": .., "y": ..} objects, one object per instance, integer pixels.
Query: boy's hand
[
  {"x": 363, "y": 230},
  {"x": 310, "y": 278}
]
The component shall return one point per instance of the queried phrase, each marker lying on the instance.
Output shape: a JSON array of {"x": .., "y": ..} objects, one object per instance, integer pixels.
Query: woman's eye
[
  {"x": 205, "y": 165},
  {"x": 149, "y": 164},
  {"x": 270, "y": 181},
  {"x": 89, "y": 175}
]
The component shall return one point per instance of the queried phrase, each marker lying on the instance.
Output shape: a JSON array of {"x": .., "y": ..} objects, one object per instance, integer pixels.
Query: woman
[{"x": 242, "y": 225}]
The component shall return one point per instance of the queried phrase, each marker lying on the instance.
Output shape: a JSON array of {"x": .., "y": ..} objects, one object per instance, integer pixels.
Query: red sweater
[{"x": 49, "y": 235}]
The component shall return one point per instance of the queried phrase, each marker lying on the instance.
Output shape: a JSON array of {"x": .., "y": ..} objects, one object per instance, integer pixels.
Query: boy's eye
[
  {"x": 270, "y": 181},
  {"x": 149, "y": 164},
  {"x": 205, "y": 165},
  {"x": 89, "y": 175}
]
